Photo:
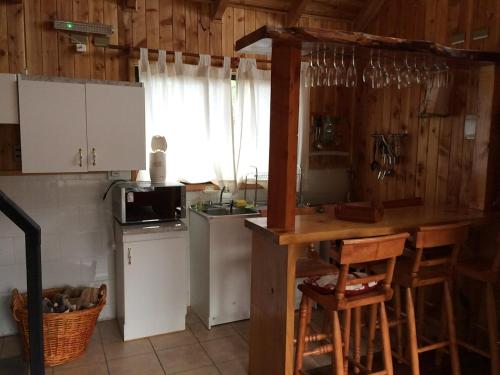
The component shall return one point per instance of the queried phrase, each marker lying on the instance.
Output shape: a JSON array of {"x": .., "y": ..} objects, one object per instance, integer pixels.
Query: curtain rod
[{"x": 234, "y": 60}]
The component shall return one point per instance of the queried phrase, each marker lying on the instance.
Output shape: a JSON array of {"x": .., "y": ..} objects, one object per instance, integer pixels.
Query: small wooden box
[{"x": 364, "y": 212}]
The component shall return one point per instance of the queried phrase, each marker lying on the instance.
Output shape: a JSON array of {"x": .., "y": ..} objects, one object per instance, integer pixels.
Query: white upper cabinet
[
  {"x": 115, "y": 127},
  {"x": 9, "y": 113},
  {"x": 53, "y": 127},
  {"x": 80, "y": 127}
]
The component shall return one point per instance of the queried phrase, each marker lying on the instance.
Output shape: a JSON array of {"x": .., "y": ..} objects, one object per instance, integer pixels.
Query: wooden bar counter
[{"x": 274, "y": 255}]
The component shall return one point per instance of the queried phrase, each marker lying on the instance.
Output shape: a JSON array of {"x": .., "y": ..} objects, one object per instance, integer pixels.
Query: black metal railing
[{"x": 34, "y": 279}]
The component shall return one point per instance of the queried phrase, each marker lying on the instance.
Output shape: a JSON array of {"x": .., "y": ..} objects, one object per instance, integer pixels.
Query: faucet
[
  {"x": 221, "y": 193},
  {"x": 256, "y": 185}
]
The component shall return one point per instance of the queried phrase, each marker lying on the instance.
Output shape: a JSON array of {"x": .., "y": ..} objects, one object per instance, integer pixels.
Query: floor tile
[
  {"x": 13, "y": 365},
  {"x": 236, "y": 367},
  {"x": 93, "y": 355},
  {"x": 226, "y": 349},
  {"x": 192, "y": 318},
  {"x": 203, "y": 334},
  {"x": 183, "y": 358},
  {"x": 144, "y": 364},
  {"x": 109, "y": 331},
  {"x": 209, "y": 370},
  {"x": 88, "y": 369},
  {"x": 172, "y": 340},
  {"x": 127, "y": 349},
  {"x": 243, "y": 329},
  {"x": 12, "y": 347}
]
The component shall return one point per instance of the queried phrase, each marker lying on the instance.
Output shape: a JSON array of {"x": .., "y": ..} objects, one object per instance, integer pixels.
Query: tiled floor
[{"x": 195, "y": 351}]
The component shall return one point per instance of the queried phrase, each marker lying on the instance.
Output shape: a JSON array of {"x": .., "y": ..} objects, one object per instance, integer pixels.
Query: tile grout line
[
  {"x": 157, "y": 357},
  {"x": 103, "y": 351},
  {"x": 206, "y": 352}
]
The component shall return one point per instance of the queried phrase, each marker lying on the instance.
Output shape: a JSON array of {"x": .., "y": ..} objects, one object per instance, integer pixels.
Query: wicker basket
[{"x": 65, "y": 335}]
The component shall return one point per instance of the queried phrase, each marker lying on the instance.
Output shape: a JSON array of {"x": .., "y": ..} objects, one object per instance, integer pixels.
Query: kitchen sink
[{"x": 226, "y": 210}]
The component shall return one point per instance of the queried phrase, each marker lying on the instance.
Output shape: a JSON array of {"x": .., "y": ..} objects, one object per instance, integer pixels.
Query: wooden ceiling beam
[
  {"x": 298, "y": 7},
  {"x": 368, "y": 14},
  {"x": 218, "y": 9}
]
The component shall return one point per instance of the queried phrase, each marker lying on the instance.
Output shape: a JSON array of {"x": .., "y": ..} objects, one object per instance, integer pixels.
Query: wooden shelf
[{"x": 261, "y": 40}]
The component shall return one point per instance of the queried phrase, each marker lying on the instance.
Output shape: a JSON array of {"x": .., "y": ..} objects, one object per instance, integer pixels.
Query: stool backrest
[
  {"x": 431, "y": 237},
  {"x": 368, "y": 251}
]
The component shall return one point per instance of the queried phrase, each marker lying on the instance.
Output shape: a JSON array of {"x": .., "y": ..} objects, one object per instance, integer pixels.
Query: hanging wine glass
[
  {"x": 380, "y": 78},
  {"x": 324, "y": 69},
  {"x": 446, "y": 74},
  {"x": 426, "y": 72},
  {"x": 330, "y": 77},
  {"x": 351, "y": 75},
  {"x": 369, "y": 72},
  {"x": 318, "y": 69},
  {"x": 341, "y": 70},
  {"x": 406, "y": 73},
  {"x": 394, "y": 73},
  {"x": 416, "y": 75}
]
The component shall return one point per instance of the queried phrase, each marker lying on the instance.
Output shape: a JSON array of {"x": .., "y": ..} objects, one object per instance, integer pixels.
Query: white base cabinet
[
  {"x": 220, "y": 265},
  {"x": 151, "y": 271}
]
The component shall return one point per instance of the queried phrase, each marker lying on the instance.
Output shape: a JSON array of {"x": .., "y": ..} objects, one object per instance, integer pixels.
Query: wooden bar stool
[
  {"x": 341, "y": 298},
  {"x": 486, "y": 271},
  {"x": 428, "y": 266}
]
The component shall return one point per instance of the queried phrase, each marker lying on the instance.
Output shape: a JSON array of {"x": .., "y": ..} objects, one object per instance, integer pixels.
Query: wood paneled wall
[
  {"x": 438, "y": 162},
  {"x": 28, "y": 41}
]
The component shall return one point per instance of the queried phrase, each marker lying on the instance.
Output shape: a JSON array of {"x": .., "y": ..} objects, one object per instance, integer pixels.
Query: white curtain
[{"x": 190, "y": 105}]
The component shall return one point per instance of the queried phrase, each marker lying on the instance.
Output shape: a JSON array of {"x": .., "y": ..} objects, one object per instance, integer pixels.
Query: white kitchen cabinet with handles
[
  {"x": 78, "y": 126},
  {"x": 151, "y": 278},
  {"x": 53, "y": 126},
  {"x": 9, "y": 110},
  {"x": 115, "y": 137}
]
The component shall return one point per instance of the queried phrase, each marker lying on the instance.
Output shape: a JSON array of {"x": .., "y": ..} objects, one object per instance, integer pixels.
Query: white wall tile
[
  {"x": 7, "y": 323},
  {"x": 7, "y": 251}
]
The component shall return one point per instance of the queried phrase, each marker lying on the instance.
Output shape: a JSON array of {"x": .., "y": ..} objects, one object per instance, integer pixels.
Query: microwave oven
[{"x": 144, "y": 202}]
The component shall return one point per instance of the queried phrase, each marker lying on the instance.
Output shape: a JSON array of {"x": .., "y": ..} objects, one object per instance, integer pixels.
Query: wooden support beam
[
  {"x": 285, "y": 88},
  {"x": 296, "y": 11},
  {"x": 485, "y": 164},
  {"x": 219, "y": 8},
  {"x": 368, "y": 14}
]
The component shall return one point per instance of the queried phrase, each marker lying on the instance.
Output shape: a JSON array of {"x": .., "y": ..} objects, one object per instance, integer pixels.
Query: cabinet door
[
  {"x": 53, "y": 126},
  {"x": 115, "y": 127},
  {"x": 8, "y": 99},
  {"x": 155, "y": 279}
]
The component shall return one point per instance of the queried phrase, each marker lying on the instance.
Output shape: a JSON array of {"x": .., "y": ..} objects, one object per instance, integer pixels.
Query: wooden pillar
[
  {"x": 485, "y": 165},
  {"x": 285, "y": 89}
]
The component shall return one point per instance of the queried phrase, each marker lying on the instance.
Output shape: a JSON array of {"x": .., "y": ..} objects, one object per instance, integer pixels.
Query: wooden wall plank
[
  {"x": 228, "y": 32},
  {"x": 239, "y": 24},
  {"x": 179, "y": 25},
  {"x": 192, "y": 27},
  {"x": 204, "y": 28},
  {"x": 166, "y": 25},
  {"x": 139, "y": 36},
  {"x": 50, "y": 63},
  {"x": 33, "y": 24},
  {"x": 98, "y": 63},
  {"x": 15, "y": 30},
  {"x": 65, "y": 48},
  {"x": 4, "y": 44},
  {"x": 82, "y": 59},
  {"x": 153, "y": 20},
  {"x": 111, "y": 57},
  {"x": 125, "y": 38}
]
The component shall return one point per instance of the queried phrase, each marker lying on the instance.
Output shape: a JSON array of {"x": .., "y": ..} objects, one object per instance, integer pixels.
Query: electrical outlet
[{"x": 81, "y": 47}]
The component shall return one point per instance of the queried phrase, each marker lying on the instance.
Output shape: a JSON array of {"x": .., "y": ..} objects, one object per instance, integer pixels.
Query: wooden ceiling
[{"x": 360, "y": 12}]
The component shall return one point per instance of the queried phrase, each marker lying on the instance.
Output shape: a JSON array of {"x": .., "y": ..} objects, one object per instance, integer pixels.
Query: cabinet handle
[
  {"x": 80, "y": 153},
  {"x": 129, "y": 256},
  {"x": 94, "y": 155}
]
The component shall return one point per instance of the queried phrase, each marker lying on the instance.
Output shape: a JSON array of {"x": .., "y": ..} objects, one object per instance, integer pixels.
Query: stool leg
[
  {"x": 492, "y": 329},
  {"x": 301, "y": 339},
  {"x": 455, "y": 363},
  {"x": 399, "y": 328},
  {"x": 337, "y": 356},
  {"x": 420, "y": 310},
  {"x": 357, "y": 337},
  {"x": 386, "y": 341},
  {"x": 372, "y": 325},
  {"x": 347, "y": 337},
  {"x": 412, "y": 333}
]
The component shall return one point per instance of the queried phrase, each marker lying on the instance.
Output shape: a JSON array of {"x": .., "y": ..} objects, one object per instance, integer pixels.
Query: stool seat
[{"x": 478, "y": 269}]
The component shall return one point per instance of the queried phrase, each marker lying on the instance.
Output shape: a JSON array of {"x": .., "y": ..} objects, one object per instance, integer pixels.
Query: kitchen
[{"x": 80, "y": 246}]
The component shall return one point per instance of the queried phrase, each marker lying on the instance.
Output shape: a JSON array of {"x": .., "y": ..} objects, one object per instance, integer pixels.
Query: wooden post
[
  {"x": 486, "y": 149},
  {"x": 285, "y": 89}
]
